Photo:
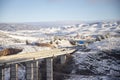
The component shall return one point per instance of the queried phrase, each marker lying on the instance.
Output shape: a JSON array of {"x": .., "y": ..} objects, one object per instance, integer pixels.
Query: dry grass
[
  {"x": 45, "y": 45},
  {"x": 9, "y": 51}
]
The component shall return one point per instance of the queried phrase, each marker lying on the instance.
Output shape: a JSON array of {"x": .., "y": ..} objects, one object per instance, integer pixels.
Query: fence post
[
  {"x": 49, "y": 68},
  {"x": 13, "y": 71}
]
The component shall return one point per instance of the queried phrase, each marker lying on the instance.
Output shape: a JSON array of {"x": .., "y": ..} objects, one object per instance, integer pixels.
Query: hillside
[{"x": 14, "y": 27}]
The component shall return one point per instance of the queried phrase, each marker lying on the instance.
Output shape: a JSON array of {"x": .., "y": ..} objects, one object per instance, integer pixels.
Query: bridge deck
[{"x": 32, "y": 56}]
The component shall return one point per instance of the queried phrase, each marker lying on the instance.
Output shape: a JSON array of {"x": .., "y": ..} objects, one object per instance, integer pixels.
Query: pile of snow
[{"x": 63, "y": 43}]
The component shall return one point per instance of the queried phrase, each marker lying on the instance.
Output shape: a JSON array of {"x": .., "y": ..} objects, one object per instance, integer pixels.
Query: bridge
[{"x": 31, "y": 60}]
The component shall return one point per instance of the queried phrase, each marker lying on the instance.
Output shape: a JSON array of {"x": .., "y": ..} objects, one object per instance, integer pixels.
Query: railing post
[
  {"x": 49, "y": 68},
  {"x": 2, "y": 73},
  {"x": 13, "y": 71},
  {"x": 63, "y": 59}
]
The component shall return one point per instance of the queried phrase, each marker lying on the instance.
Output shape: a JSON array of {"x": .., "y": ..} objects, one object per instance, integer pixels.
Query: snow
[
  {"x": 107, "y": 44},
  {"x": 64, "y": 43},
  {"x": 84, "y": 60},
  {"x": 24, "y": 38}
]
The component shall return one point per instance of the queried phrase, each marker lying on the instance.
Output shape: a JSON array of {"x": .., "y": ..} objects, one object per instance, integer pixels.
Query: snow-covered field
[{"x": 91, "y": 61}]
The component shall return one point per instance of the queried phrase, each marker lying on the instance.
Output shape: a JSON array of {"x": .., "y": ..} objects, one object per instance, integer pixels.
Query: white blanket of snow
[
  {"x": 83, "y": 57},
  {"x": 107, "y": 44},
  {"x": 24, "y": 38},
  {"x": 64, "y": 43},
  {"x": 111, "y": 43}
]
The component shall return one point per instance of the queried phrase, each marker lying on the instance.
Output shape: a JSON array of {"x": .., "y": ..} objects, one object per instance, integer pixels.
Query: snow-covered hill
[{"x": 100, "y": 62}]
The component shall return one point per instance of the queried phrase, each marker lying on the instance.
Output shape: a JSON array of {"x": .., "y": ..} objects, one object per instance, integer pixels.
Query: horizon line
[{"x": 59, "y": 21}]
